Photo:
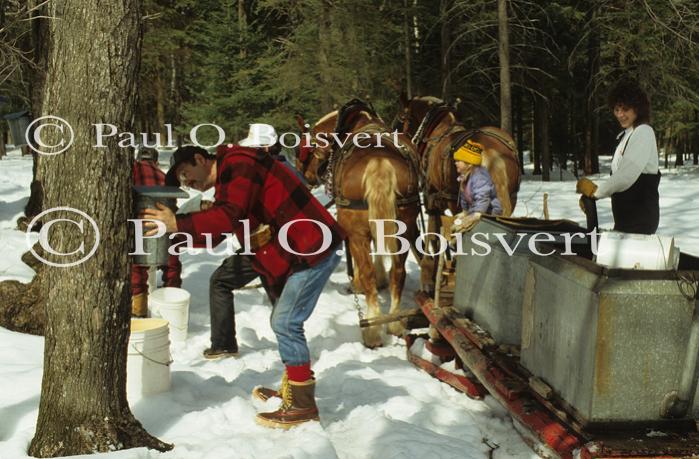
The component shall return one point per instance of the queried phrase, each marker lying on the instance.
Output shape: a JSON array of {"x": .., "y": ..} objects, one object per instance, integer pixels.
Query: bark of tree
[
  {"x": 677, "y": 145},
  {"x": 445, "y": 41},
  {"x": 590, "y": 161},
  {"x": 541, "y": 116},
  {"x": 408, "y": 50},
  {"x": 520, "y": 129},
  {"x": 504, "y": 58},
  {"x": 3, "y": 137},
  {"x": 695, "y": 142},
  {"x": 324, "y": 37},
  {"x": 83, "y": 407},
  {"x": 35, "y": 72},
  {"x": 535, "y": 153},
  {"x": 160, "y": 103},
  {"x": 22, "y": 307}
]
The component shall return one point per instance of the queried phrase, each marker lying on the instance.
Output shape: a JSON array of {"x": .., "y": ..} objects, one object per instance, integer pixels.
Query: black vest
[{"x": 637, "y": 210}]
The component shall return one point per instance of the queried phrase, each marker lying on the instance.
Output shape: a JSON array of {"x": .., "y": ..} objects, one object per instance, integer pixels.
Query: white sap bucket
[
  {"x": 172, "y": 304},
  {"x": 637, "y": 251},
  {"x": 148, "y": 362}
]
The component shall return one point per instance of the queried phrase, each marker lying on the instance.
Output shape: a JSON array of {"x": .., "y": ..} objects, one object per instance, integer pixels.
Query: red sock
[{"x": 299, "y": 373}]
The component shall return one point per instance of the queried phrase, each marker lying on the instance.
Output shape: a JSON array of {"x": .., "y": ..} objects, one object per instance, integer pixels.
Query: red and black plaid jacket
[
  {"x": 252, "y": 185},
  {"x": 147, "y": 173}
]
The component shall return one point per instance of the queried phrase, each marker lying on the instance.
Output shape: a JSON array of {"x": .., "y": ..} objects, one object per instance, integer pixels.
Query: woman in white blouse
[{"x": 633, "y": 185}]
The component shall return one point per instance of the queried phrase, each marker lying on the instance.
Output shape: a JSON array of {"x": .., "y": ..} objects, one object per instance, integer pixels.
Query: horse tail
[
  {"x": 380, "y": 187},
  {"x": 498, "y": 172}
]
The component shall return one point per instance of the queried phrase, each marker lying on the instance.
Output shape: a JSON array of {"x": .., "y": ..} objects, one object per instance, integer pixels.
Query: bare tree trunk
[
  {"x": 445, "y": 41},
  {"x": 535, "y": 153},
  {"x": 324, "y": 37},
  {"x": 695, "y": 143},
  {"x": 595, "y": 142},
  {"x": 83, "y": 407},
  {"x": 520, "y": 128},
  {"x": 160, "y": 102},
  {"x": 504, "y": 58},
  {"x": 590, "y": 158},
  {"x": 408, "y": 50},
  {"x": 541, "y": 115},
  {"x": 3, "y": 136},
  {"x": 679, "y": 152},
  {"x": 35, "y": 71}
]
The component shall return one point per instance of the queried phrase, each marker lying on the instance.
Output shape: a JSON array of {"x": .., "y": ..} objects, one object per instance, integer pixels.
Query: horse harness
[{"x": 332, "y": 178}]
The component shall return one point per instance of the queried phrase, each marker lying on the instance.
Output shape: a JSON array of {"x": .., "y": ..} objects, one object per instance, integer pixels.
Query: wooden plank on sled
[
  {"x": 527, "y": 410},
  {"x": 471, "y": 387}
]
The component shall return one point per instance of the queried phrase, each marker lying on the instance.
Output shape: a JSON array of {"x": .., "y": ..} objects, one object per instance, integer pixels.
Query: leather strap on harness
[{"x": 340, "y": 156}]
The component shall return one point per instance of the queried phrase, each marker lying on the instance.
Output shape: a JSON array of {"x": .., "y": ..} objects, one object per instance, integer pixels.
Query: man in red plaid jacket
[
  {"x": 296, "y": 258},
  {"x": 147, "y": 173}
]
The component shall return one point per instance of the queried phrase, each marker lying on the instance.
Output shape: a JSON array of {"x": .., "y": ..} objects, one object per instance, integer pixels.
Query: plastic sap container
[
  {"x": 637, "y": 251},
  {"x": 172, "y": 304},
  {"x": 148, "y": 362}
]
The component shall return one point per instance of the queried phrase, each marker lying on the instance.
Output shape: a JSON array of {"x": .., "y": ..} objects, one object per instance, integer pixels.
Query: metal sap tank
[
  {"x": 610, "y": 342},
  {"x": 156, "y": 249},
  {"x": 490, "y": 288}
]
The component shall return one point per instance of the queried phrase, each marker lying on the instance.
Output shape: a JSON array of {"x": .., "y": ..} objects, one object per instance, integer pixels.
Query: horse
[
  {"x": 369, "y": 180},
  {"x": 436, "y": 133}
]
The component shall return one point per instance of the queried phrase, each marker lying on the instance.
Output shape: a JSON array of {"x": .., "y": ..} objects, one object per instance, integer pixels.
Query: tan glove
[
  {"x": 465, "y": 222},
  {"x": 586, "y": 186}
]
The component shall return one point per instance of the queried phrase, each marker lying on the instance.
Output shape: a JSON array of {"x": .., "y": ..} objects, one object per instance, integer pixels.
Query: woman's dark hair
[{"x": 628, "y": 93}]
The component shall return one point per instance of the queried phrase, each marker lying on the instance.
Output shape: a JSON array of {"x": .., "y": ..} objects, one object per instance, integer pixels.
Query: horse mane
[
  {"x": 492, "y": 160},
  {"x": 431, "y": 99},
  {"x": 325, "y": 118}
]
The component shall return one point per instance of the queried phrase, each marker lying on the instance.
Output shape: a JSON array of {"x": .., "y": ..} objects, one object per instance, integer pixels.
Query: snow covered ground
[{"x": 373, "y": 403}]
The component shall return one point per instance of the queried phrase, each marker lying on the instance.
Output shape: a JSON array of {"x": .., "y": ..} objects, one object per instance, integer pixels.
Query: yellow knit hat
[{"x": 470, "y": 153}]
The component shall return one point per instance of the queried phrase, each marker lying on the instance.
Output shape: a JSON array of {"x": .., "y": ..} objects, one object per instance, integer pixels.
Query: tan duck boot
[
  {"x": 298, "y": 406},
  {"x": 265, "y": 393},
  {"x": 139, "y": 305}
]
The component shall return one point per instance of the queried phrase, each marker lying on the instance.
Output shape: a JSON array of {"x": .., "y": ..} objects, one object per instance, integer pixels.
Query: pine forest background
[{"x": 234, "y": 62}]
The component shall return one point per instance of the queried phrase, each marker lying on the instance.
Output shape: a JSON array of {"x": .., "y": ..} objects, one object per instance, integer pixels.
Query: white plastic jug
[
  {"x": 148, "y": 362},
  {"x": 637, "y": 251},
  {"x": 172, "y": 304}
]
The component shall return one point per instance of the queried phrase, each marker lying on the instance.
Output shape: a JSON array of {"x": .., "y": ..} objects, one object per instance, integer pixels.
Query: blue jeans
[{"x": 294, "y": 307}]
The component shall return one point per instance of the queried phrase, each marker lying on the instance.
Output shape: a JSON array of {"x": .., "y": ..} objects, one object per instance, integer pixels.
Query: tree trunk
[
  {"x": 35, "y": 71},
  {"x": 520, "y": 128},
  {"x": 535, "y": 153},
  {"x": 83, "y": 407},
  {"x": 504, "y": 58},
  {"x": 408, "y": 51},
  {"x": 695, "y": 141},
  {"x": 541, "y": 115},
  {"x": 324, "y": 37},
  {"x": 160, "y": 103},
  {"x": 445, "y": 41},
  {"x": 3, "y": 134},
  {"x": 679, "y": 152}
]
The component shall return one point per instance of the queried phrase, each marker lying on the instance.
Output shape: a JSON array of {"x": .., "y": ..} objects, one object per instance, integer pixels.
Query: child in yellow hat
[{"x": 477, "y": 191}]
